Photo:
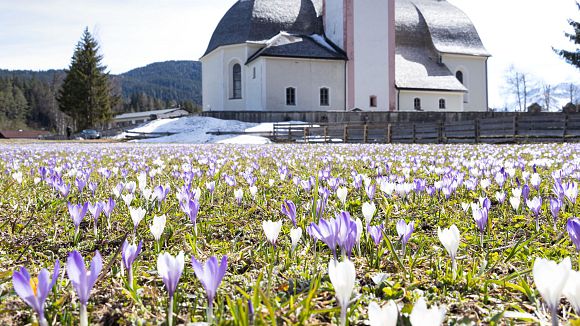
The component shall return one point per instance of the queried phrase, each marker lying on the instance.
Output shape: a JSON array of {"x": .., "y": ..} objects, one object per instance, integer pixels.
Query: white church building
[{"x": 341, "y": 55}]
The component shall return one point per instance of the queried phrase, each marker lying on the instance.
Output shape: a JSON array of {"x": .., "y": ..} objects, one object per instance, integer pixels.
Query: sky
[{"x": 42, "y": 34}]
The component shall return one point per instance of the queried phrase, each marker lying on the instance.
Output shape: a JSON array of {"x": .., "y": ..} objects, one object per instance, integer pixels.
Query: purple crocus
[
  {"x": 289, "y": 209},
  {"x": 480, "y": 216},
  {"x": 555, "y": 206},
  {"x": 129, "y": 253},
  {"x": 63, "y": 189},
  {"x": 210, "y": 275},
  {"x": 34, "y": 291},
  {"x": 77, "y": 213},
  {"x": 170, "y": 269},
  {"x": 96, "y": 210},
  {"x": 161, "y": 193},
  {"x": 92, "y": 187},
  {"x": 535, "y": 204},
  {"x": 376, "y": 233},
  {"x": 571, "y": 191},
  {"x": 80, "y": 183},
  {"x": 404, "y": 231},
  {"x": 573, "y": 228},
  {"x": 370, "y": 191},
  {"x": 83, "y": 280},
  {"x": 190, "y": 208}
]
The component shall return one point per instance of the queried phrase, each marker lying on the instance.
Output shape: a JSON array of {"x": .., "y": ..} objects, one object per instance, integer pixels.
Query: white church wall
[
  {"x": 334, "y": 21},
  {"x": 474, "y": 76},
  {"x": 213, "y": 90},
  {"x": 430, "y": 100},
  {"x": 254, "y": 85},
  {"x": 307, "y": 76},
  {"x": 371, "y": 54}
]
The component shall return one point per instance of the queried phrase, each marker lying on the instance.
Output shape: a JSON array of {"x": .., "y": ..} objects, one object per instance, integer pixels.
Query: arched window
[
  {"x": 324, "y": 97},
  {"x": 237, "y": 81},
  {"x": 459, "y": 76},
  {"x": 442, "y": 103},
  {"x": 417, "y": 103},
  {"x": 290, "y": 96},
  {"x": 373, "y": 101}
]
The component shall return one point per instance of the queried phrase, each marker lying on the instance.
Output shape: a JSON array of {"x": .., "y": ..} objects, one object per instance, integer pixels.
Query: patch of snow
[
  {"x": 322, "y": 41},
  {"x": 246, "y": 139}
]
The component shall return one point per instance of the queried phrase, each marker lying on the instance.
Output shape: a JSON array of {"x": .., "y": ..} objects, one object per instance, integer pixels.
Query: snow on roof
[{"x": 144, "y": 114}]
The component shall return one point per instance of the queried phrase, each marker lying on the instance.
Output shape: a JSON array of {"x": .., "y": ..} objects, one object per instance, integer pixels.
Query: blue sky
[{"x": 41, "y": 34}]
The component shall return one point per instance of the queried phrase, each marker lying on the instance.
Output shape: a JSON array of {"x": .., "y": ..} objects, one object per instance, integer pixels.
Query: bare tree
[
  {"x": 517, "y": 83},
  {"x": 572, "y": 91}
]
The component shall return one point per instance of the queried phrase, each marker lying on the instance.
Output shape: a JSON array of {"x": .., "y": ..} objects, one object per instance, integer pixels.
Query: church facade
[{"x": 339, "y": 55}]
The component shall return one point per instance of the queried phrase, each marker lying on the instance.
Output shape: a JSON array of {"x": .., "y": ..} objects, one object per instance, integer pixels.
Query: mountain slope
[{"x": 178, "y": 81}]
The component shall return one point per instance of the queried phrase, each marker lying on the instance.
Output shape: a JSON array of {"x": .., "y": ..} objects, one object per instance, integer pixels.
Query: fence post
[
  {"x": 515, "y": 127},
  {"x": 440, "y": 132},
  {"x": 306, "y": 140},
  {"x": 325, "y": 134},
  {"x": 414, "y": 134},
  {"x": 345, "y": 134},
  {"x": 365, "y": 133},
  {"x": 476, "y": 130},
  {"x": 389, "y": 133},
  {"x": 565, "y": 131},
  {"x": 289, "y": 133}
]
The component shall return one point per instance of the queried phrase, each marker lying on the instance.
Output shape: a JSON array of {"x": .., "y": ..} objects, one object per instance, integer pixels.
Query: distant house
[
  {"x": 23, "y": 134},
  {"x": 128, "y": 119}
]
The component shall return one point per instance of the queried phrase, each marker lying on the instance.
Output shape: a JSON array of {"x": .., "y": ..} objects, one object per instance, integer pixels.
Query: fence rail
[{"x": 516, "y": 129}]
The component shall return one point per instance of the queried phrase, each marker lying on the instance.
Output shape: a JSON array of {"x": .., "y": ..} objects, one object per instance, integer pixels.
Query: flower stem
[
  {"x": 554, "y": 317},
  {"x": 209, "y": 313},
  {"x": 42, "y": 321},
  {"x": 343, "y": 311},
  {"x": 84, "y": 316},
  {"x": 170, "y": 312},
  {"x": 130, "y": 278}
]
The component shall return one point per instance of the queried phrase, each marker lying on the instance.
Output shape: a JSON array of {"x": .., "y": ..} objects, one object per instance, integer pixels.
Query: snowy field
[{"x": 194, "y": 130}]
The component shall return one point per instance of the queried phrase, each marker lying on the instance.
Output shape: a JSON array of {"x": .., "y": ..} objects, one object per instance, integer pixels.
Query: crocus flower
[
  {"x": 239, "y": 195},
  {"x": 550, "y": 279},
  {"x": 573, "y": 228},
  {"x": 535, "y": 181},
  {"x": 83, "y": 280},
  {"x": 422, "y": 316},
  {"x": 160, "y": 193},
  {"x": 129, "y": 253},
  {"x": 77, "y": 213},
  {"x": 385, "y": 316},
  {"x": 480, "y": 217},
  {"x": 343, "y": 276},
  {"x": 515, "y": 202},
  {"x": 96, "y": 210},
  {"x": 272, "y": 230},
  {"x": 555, "y": 205},
  {"x": 170, "y": 269},
  {"x": 157, "y": 226},
  {"x": 572, "y": 290},
  {"x": 370, "y": 191},
  {"x": 368, "y": 210},
  {"x": 190, "y": 208},
  {"x": 289, "y": 209},
  {"x": 253, "y": 191},
  {"x": 210, "y": 275},
  {"x": 295, "y": 236},
  {"x": 137, "y": 214},
  {"x": 376, "y": 233},
  {"x": 341, "y": 193},
  {"x": 450, "y": 239},
  {"x": 34, "y": 291},
  {"x": 535, "y": 204},
  {"x": 571, "y": 191},
  {"x": 404, "y": 231}
]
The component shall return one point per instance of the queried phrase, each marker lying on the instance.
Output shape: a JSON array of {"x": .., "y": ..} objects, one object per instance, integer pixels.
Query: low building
[{"x": 133, "y": 118}]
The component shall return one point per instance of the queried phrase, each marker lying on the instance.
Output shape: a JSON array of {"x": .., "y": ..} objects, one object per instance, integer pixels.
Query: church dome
[{"x": 259, "y": 20}]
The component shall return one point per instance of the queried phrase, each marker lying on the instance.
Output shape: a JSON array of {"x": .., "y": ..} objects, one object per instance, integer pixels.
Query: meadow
[{"x": 289, "y": 234}]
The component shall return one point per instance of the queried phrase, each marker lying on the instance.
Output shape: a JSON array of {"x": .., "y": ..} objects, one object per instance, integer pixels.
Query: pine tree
[
  {"x": 86, "y": 92},
  {"x": 572, "y": 57}
]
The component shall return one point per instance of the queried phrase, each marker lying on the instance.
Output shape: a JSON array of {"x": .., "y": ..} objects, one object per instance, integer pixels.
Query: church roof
[
  {"x": 258, "y": 20},
  {"x": 299, "y": 46}
]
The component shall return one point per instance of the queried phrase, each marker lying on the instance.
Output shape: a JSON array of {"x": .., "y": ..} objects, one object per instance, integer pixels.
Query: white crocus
[
  {"x": 368, "y": 210},
  {"x": 137, "y": 214},
  {"x": 17, "y": 176},
  {"x": 128, "y": 199},
  {"x": 341, "y": 193},
  {"x": 572, "y": 290},
  {"x": 422, "y": 316},
  {"x": 272, "y": 230},
  {"x": 450, "y": 239},
  {"x": 465, "y": 207},
  {"x": 157, "y": 226},
  {"x": 147, "y": 193},
  {"x": 515, "y": 202},
  {"x": 142, "y": 180},
  {"x": 385, "y": 316},
  {"x": 253, "y": 191},
  {"x": 550, "y": 279},
  {"x": 295, "y": 236},
  {"x": 239, "y": 195},
  {"x": 342, "y": 276}
]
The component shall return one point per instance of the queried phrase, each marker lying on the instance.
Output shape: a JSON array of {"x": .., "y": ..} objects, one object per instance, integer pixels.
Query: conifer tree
[
  {"x": 86, "y": 94},
  {"x": 572, "y": 57}
]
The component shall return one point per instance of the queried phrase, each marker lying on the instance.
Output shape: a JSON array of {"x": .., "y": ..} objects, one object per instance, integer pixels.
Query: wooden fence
[{"x": 517, "y": 129}]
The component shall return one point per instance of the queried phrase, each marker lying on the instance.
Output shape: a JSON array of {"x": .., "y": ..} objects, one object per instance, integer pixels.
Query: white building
[{"x": 329, "y": 55}]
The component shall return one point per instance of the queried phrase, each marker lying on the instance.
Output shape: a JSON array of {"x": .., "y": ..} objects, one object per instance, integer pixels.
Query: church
[{"x": 344, "y": 55}]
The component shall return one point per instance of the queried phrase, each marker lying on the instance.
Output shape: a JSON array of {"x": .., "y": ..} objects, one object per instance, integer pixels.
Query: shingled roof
[{"x": 260, "y": 20}]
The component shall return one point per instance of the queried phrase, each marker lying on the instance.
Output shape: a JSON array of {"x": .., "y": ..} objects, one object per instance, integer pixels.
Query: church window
[
  {"x": 324, "y": 97},
  {"x": 290, "y": 96},
  {"x": 373, "y": 101},
  {"x": 237, "y": 81},
  {"x": 442, "y": 103},
  {"x": 459, "y": 76},
  {"x": 417, "y": 103},
  {"x": 254, "y": 73}
]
